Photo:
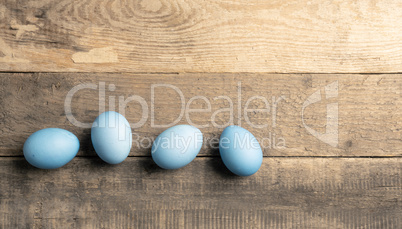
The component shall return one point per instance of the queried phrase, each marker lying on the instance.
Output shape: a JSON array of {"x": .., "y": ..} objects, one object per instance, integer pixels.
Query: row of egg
[{"x": 174, "y": 148}]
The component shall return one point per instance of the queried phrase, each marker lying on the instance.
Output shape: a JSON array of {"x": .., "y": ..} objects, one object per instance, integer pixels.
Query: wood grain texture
[
  {"x": 369, "y": 109},
  {"x": 284, "y": 193},
  {"x": 201, "y": 36}
]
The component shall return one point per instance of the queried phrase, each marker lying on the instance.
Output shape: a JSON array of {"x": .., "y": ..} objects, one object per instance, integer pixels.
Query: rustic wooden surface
[
  {"x": 201, "y": 36},
  {"x": 285, "y": 193},
  {"x": 370, "y": 109},
  {"x": 345, "y": 189},
  {"x": 274, "y": 49}
]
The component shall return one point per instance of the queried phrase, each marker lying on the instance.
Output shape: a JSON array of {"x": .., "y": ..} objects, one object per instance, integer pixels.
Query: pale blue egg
[
  {"x": 240, "y": 151},
  {"x": 177, "y": 146},
  {"x": 51, "y": 148},
  {"x": 111, "y": 137}
]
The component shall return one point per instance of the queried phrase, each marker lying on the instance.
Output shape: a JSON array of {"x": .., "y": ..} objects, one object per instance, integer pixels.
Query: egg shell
[
  {"x": 51, "y": 148},
  {"x": 111, "y": 137},
  {"x": 240, "y": 151},
  {"x": 177, "y": 146}
]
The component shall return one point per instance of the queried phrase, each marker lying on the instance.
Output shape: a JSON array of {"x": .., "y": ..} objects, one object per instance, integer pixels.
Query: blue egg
[
  {"x": 111, "y": 137},
  {"x": 51, "y": 148},
  {"x": 240, "y": 151},
  {"x": 177, "y": 146}
]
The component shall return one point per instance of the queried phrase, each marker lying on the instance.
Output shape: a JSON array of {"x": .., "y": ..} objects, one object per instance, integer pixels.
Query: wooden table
[{"x": 317, "y": 82}]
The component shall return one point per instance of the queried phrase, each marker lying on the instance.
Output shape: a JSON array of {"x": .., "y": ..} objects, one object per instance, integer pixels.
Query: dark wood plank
[
  {"x": 201, "y": 36},
  {"x": 284, "y": 193},
  {"x": 369, "y": 109}
]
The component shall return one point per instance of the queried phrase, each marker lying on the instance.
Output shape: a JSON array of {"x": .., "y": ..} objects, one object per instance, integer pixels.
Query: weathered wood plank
[
  {"x": 369, "y": 109},
  {"x": 285, "y": 193},
  {"x": 201, "y": 36}
]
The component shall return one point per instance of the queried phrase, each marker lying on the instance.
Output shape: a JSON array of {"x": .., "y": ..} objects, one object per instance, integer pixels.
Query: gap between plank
[
  {"x": 177, "y": 73},
  {"x": 213, "y": 156}
]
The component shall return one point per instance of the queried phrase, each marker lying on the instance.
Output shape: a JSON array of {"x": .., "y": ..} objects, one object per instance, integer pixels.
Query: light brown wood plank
[
  {"x": 284, "y": 193},
  {"x": 201, "y": 36},
  {"x": 369, "y": 109}
]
